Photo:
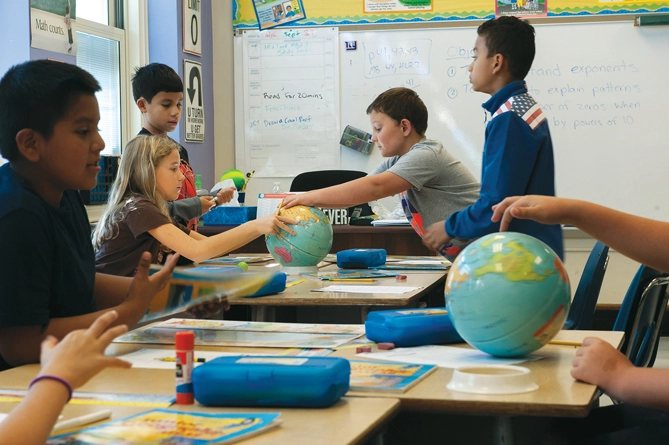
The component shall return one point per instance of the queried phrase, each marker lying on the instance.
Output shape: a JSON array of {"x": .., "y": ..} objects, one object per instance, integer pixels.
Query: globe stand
[{"x": 296, "y": 270}]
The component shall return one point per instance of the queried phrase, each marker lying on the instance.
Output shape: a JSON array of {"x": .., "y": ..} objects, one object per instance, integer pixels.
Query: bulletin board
[{"x": 352, "y": 12}]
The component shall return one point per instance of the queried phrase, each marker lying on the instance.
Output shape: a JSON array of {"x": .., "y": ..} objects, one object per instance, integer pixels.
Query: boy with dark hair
[
  {"x": 158, "y": 93},
  {"x": 431, "y": 183},
  {"x": 518, "y": 151},
  {"x": 48, "y": 132}
]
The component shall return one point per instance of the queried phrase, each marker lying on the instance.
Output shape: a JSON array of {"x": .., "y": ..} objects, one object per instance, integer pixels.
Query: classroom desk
[
  {"x": 430, "y": 406},
  {"x": 351, "y": 420},
  {"x": 398, "y": 240},
  {"x": 263, "y": 308}
]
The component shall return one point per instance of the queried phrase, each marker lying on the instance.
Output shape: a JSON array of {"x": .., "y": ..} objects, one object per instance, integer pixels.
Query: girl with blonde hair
[{"x": 136, "y": 218}]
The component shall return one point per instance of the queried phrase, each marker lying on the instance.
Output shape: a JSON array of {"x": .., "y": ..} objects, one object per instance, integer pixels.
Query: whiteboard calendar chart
[
  {"x": 194, "y": 109},
  {"x": 291, "y": 109}
]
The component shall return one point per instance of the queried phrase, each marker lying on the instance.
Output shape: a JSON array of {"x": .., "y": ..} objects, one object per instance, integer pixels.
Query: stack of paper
[{"x": 391, "y": 222}]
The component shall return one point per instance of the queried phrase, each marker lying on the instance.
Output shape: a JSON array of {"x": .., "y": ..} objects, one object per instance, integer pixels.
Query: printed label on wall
[{"x": 193, "y": 98}]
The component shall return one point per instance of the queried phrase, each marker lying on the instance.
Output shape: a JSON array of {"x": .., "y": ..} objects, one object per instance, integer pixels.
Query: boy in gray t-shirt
[{"x": 431, "y": 183}]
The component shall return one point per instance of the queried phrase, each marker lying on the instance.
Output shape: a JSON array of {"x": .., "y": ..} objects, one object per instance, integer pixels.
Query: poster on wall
[
  {"x": 375, "y": 6},
  {"x": 194, "y": 103},
  {"x": 192, "y": 39},
  {"x": 521, "y": 8},
  {"x": 52, "y": 25},
  {"x": 271, "y": 13}
]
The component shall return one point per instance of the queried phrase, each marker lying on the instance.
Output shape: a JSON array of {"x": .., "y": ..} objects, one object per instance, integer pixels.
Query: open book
[
  {"x": 163, "y": 426},
  {"x": 367, "y": 375},
  {"x": 189, "y": 287}
]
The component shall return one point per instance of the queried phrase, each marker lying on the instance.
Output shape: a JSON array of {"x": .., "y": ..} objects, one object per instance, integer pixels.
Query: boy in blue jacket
[{"x": 518, "y": 151}]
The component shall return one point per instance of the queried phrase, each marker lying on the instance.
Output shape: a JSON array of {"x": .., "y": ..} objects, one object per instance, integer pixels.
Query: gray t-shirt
[{"x": 441, "y": 184}]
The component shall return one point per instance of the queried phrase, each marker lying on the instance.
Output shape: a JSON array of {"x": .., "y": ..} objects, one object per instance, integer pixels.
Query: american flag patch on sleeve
[{"x": 524, "y": 106}]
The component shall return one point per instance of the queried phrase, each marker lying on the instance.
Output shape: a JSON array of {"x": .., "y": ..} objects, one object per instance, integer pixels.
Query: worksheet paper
[
  {"x": 444, "y": 356},
  {"x": 368, "y": 289}
]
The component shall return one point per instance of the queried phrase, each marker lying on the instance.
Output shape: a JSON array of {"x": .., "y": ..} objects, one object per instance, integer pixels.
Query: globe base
[{"x": 296, "y": 270}]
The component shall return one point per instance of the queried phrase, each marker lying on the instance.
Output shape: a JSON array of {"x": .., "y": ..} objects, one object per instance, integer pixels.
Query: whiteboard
[{"x": 601, "y": 85}]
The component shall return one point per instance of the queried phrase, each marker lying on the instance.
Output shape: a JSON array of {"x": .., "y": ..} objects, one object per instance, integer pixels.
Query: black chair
[
  {"x": 583, "y": 305},
  {"x": 641, "y": 315},
  {"x": 320, "y": 179}
]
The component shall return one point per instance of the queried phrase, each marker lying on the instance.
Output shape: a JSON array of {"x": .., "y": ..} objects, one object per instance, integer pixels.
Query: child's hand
[
  {"x": 271, "y": 224},
  {"x": 599, "y": 363},
  {"x": 225, "y": 195},
  {"x": 80, "y": 355},
  {"x": 435, "y": 236},
  {"x": 144, "y": 287},
  {"x": 297, "y": 200},
  {"x": 543, "y": 209},
  {"x": 208, "y": 202}
]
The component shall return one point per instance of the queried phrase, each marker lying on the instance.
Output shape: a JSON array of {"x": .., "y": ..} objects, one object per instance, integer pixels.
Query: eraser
[
  {"x": 361, "y": 349},
  {"x": 400, "y": 277},
  {"x": 385, "y": 346}
]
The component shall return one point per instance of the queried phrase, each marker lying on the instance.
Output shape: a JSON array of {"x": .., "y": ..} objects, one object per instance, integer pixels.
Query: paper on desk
[
  {"x": 368, "y": 289},
  {"x": 444, "y": 356},
  {"x": 151, "y": 358},
  {"x": 391, "y": 222}
]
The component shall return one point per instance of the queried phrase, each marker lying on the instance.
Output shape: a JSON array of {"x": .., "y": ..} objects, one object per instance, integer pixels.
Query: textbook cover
[
  {"x": 162, "y": 426},
  {"x": 385, "y": 376},
  {"x": 189, "y": 287}
]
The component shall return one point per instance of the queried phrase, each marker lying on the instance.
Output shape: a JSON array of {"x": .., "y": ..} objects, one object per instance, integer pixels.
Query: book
[
  {"x": 189, "y": 287},
  {"x": 234, "y": 260},
  {"x": 163, "y": 426},
  {"x": 386, "y": 376},
  {"x": 348, "y": 274}
]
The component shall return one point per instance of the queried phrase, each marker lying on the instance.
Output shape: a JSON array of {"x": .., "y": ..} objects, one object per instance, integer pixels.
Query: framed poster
[{"x": 271, "y": 13}]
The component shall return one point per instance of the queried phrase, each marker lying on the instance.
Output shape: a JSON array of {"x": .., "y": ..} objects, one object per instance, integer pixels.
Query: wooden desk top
[
  {"x": 301, "y": 295},
  {"x": 350, "y": 420},
  {"x": 559, "y": 395}
]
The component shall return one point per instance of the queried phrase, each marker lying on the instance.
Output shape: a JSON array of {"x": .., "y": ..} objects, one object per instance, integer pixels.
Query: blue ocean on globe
[
  {"x": 310, "y": 244},
  {"x": 508, "y": 294}
]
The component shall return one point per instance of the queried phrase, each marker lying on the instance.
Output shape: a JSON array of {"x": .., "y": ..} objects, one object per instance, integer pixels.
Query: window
[{"x": 102, "y": 52}]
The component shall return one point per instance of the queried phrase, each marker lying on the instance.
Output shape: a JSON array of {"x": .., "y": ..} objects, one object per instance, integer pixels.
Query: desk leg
[
  {"x": 263, "y": 313},
  {"x": 503, "y": 431}
]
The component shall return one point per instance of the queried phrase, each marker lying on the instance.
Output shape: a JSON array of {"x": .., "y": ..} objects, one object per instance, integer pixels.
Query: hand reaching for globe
[{"x": 271, "y": 224}]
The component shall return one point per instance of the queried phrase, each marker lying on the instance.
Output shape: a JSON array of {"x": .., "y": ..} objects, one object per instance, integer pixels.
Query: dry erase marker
[{"x": 185, "y": 343}]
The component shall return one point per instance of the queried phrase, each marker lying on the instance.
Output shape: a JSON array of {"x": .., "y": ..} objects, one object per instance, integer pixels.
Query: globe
[
  {"x": 310, "y": 244},
  {"x": 237, "y": 177},
  {"x": 507, "y": 294}
]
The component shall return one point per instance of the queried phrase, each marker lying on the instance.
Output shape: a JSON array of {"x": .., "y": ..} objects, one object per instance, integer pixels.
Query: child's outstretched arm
[
  {"x": 358, "y": 191},
  {"x": 65, "y": 366},
  {"x": 635, "y": 237},
  {"x": 197, "y": 247},
  {"x": 599, "y": 363},
  {"x": 130, "y": 297}
]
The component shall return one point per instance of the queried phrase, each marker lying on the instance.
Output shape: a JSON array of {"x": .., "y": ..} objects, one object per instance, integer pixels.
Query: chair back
[
  {"x": 315, "y": 180},
  {"x": 641, "y": 315},
  {"x": 582, "y": 310}
]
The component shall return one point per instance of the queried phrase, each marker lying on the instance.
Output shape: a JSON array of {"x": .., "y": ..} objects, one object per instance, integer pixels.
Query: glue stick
[{"x": 184, "y": 343}]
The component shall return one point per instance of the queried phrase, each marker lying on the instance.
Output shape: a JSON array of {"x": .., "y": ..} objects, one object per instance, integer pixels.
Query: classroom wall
[{"x": 166, "y": 46}]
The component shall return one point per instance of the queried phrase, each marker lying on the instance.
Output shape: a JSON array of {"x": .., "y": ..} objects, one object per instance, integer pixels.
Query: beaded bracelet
[{"x": 57, "y": 379}]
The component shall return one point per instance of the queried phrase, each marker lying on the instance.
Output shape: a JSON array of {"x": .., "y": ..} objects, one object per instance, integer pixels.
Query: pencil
[
  {"x": 82, "y": 420},
  {"x": 565, "y": 343},
  {"x": 174, "y": 359},
  {"x": 353, "y": 280},
  {"x": 295, "y": 282}
]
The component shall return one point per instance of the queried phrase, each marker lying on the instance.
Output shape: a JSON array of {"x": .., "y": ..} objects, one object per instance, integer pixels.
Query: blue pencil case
[
  {"x": 411, "y": 327},
  {"x": 271, "y": 381},
  {"x": 360, "y": 258}
]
